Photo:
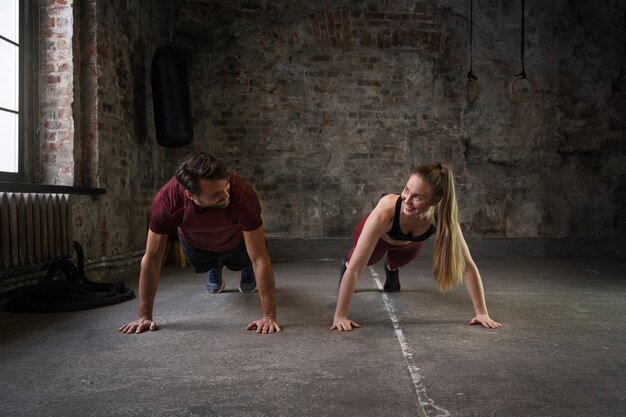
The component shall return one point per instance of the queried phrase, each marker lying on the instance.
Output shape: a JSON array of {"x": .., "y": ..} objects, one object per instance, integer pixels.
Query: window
[
  {"x": 9, "y": 85},
  {"x": 17, "y": 75}
]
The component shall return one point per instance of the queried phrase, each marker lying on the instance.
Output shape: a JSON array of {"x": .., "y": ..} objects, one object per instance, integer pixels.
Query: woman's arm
[
  {"x": 474, "y": 286},
  {"x": 376, "y": 224}
]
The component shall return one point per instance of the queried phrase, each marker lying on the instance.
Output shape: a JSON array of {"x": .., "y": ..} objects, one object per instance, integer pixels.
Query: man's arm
[
  {"x": 148, "y": 283},
  {"x": 257, "y": 251}
]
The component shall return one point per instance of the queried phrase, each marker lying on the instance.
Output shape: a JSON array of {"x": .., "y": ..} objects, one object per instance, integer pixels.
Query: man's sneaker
[
  {"x": 214, "y": 283},
  {"x": 392, "y": 283},
  {"x": 248, "y": 281},
  {"x": 342, "y": 270}
]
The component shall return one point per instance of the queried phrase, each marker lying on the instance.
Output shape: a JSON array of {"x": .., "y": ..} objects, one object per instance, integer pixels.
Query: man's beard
[{"x": 223, "y": 204}]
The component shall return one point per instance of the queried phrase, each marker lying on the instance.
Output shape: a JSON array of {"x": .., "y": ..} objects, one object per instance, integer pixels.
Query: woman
[{"x": 398, "y": 226}]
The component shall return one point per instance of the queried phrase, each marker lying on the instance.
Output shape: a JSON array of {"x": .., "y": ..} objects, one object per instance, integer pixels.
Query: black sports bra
[{"x": 396, "y": 233}]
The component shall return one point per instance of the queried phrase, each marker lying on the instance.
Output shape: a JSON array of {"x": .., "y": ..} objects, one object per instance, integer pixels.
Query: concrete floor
[{"x": 561, "y": 351}]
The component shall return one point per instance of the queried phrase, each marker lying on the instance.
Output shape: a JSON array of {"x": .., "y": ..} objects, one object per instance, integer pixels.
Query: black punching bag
[{"x": 170, "y": 96}]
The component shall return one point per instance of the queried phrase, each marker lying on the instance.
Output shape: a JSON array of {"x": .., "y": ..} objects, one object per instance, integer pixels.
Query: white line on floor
[{"x": 427, "y": 405}]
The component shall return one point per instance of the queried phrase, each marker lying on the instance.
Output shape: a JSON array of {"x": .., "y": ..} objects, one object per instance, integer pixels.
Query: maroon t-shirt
[{"x": 210, "y": 229}]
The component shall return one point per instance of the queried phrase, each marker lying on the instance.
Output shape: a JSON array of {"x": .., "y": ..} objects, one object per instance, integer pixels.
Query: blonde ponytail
[{"x": 448, "y": 261}]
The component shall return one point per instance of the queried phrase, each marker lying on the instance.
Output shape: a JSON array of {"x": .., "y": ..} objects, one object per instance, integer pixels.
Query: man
[{"x": 218, "y": 220}]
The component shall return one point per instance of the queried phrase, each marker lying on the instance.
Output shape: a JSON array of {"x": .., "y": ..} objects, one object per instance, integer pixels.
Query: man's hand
[
  {"x": 139, "y": 326},
  {"x": 264, "y": 325},
  {"x": 344, "y": 323},
  {"x": 486, "y": 321}
]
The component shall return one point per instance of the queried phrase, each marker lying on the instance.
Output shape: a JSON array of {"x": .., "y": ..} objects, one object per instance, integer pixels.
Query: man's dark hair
[{"x": 196, "y": 166}]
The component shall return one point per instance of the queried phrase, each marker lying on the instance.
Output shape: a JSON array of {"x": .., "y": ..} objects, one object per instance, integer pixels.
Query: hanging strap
[
  {"x": 471, "y": 88},
  {"x": 171, "y": 24},
  {"x": 523, "y": 73},
  {"x": 470, "y": 74}
]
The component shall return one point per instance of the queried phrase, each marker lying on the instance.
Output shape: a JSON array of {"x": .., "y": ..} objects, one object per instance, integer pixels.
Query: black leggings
[{"x": 202, "y": 261}]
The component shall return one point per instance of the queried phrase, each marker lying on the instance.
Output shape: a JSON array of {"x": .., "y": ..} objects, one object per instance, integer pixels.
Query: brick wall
[
  {"x": 96, "y": 111},
  {"x": 323, "y": 106}
]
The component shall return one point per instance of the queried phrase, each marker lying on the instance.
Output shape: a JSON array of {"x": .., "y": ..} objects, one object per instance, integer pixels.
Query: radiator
[{"x": 35, "y": 228}]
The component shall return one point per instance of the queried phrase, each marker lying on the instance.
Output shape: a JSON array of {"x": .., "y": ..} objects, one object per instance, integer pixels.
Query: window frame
[{"x": 28, "y": 90}]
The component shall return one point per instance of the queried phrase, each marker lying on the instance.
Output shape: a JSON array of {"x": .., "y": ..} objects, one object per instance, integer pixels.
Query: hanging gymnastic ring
[
  {"x": 471, "y": 86},
  {"x": 522, "y": 99}
]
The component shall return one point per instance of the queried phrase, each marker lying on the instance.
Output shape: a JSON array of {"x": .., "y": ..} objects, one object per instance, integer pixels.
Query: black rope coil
[{"x": 74, "y": 293}]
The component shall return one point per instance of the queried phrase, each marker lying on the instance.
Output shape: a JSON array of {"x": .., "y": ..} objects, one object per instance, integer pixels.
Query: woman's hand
[
  {"x": 344, "y": 323},
  {"x": 486, "y": 321}
]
